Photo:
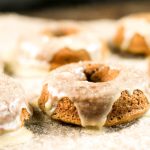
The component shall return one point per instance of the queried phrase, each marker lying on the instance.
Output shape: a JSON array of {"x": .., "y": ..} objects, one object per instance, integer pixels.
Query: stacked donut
[{"x": 82, "y": 87}]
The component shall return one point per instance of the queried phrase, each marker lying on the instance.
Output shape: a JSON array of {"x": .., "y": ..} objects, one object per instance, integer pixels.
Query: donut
[
  {"x": 38, "y": 54},
  {"x": 133, "y": 34},
  {"x": 14, "y": 109},
  {"x": 93, "y": 94}
]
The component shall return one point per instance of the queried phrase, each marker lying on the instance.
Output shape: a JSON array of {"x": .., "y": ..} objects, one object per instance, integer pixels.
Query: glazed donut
[
  {"x": 133, "y": 34},
  {"x": 92, "y": 94},
  {"x": 14, "y": 110},
  {"x": 38, "y": 54}
]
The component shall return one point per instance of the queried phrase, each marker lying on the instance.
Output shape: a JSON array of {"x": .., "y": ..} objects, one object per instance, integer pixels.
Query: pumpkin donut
[
  {"x": 92, "y": 94},
  {"x": 133, "y": 34},
  {"x": 38, "y": 54},
  {"x": 14, "y": 110}
]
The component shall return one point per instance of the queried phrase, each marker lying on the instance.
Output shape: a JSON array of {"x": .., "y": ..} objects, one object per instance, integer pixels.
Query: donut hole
[
  {"x": 100, "y": 73},
  {"x": 64, "y": 31},
  {"x": 67, "y": 55},
  {"x": 60, "y": 32}
]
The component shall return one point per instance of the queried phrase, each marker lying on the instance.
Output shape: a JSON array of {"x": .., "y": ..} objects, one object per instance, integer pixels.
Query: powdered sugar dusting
[{"x": 49, "y": 135}]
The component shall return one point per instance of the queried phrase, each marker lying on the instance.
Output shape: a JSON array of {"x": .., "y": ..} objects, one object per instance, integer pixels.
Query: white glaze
[
  {"x": 88, "y": 97},
  {"x": 32, "y": 84}
]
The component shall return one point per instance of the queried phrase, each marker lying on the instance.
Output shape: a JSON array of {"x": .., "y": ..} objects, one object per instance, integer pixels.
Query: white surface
[{"x": 50, "y": 135}]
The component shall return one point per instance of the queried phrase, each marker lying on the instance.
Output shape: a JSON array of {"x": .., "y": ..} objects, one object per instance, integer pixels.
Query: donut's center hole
[
  {"x": 60, "y": 32},
  {"x": 100, "y": 73},
  {"x": 64, "y": 32}
]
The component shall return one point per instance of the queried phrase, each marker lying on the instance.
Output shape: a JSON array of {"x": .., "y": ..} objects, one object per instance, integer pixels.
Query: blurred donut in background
[{"x": 133, "y": 34}]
